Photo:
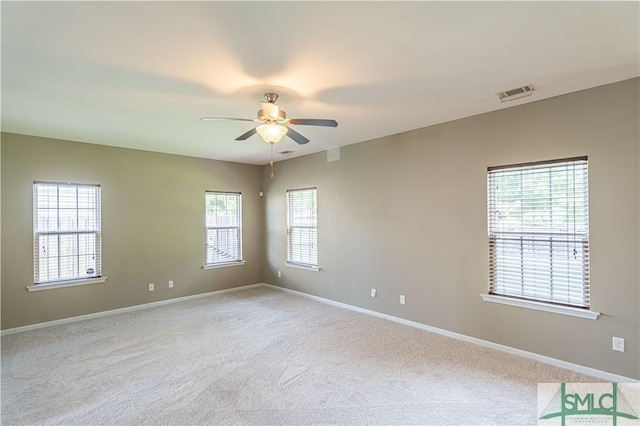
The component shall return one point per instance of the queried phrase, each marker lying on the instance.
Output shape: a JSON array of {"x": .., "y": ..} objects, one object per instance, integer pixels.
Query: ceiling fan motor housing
[{"x": 270, "y": 117}]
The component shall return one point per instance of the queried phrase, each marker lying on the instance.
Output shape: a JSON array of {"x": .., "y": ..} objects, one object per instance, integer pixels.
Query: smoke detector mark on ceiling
[{"x": 520, "y": 92}]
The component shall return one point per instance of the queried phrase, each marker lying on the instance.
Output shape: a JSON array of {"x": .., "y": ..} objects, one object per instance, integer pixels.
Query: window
[
  {"x": 224, "y": 228},
  {"x": 302, "y": 227},
  {"x": 539, "y": 231},
  {"x": 66, "y": 223}
]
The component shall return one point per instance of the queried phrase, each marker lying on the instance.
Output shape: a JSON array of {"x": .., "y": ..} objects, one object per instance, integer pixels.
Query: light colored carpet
[{"x": 261, "y": 356}]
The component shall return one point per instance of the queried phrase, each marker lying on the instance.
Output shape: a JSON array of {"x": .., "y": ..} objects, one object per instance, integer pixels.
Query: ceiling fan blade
[
  {"x": 225, "y": 118},
  {"x": 247, "y": 135},
  {"x": 300, "y": 140},
  {"x": 314, "y": 122}
]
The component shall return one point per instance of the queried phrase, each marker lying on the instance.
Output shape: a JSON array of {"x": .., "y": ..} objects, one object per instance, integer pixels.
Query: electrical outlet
[
  {"x": 618, "y": 344},
  {"x": 279, "y": 274},
  {"x": 402, "y": 299},
  {"x": 373, "y": 292},
  {"x": 171, "y": 284},
  {"x": 151, "y": 287}
]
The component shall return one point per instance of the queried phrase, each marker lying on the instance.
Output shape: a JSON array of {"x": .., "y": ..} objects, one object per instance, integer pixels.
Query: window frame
[
  {"x": 95, "y": 217},
  {"x": 537, "y": 242},
  {"x": 311, "y": 215},
  {"x": 237, "y": 258}
]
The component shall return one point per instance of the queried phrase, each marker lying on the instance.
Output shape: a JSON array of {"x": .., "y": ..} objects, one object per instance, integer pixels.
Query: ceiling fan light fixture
[{"x": 271, "y": 133}]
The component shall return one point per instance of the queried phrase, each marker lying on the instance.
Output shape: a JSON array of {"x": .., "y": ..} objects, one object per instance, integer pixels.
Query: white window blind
[
  {"x": 538, "y": 216},
  {"x": 224, "y": 227},
  {"x": 302, "y": 227},
  {"x": 66, "y": 223}
]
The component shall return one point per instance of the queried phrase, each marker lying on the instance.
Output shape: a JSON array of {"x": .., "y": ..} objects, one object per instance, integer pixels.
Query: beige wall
[
  {"x": 404, "y": 214},
  {"x": 152, "y": 225},
  {"x": 407, "y": 214}
]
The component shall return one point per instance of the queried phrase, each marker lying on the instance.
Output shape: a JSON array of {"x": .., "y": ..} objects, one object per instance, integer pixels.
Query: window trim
[
  {"x": 541, "y": 306},
  {"x": 234, "y": 262},
  {"x": 68, "y": 283},
  {"x": 495, "y": 235},
  {"x": 223, "y": 265},
  {"x": 289, "y": 262},
  {"x": 302, "y": 266}
]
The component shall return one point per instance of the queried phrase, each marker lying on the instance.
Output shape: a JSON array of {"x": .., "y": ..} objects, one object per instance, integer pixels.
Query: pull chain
[{"x": 271, "y": 163}]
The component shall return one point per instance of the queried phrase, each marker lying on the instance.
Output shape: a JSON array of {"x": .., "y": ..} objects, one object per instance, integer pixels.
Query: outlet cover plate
[
  {"x": 618, "y": 344},
  {"x": 373, "y": 292},
  {"x": 151, "y": 287}
]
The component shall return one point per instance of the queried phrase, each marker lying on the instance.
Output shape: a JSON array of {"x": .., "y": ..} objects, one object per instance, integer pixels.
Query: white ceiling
[{"x": 141, "y": 74}]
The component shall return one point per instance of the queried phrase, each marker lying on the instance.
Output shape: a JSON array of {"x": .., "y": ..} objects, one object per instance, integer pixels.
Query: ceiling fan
[{"x": 275, "y": 124}]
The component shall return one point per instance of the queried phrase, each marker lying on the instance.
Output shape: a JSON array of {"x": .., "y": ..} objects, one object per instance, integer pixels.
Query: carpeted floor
[{"x": 261, "y": 356}]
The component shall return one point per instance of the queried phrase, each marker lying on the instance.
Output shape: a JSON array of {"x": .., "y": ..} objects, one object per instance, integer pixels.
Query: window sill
[
  {"x": 224, "y": 265},
  {"x": 70, "y": 283},
  {"x": 301, "y": 266},
  {"x": 541, "y": 306}
]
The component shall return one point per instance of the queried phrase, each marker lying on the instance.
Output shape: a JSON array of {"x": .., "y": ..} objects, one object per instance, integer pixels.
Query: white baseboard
[
  {"x": 609, "y": 377},
  {"x": 121, "y": 310}
]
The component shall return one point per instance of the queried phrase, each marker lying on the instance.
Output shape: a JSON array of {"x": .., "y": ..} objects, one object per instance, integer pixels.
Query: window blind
[
  {"x": 539, "y": 231},
  {"x": 223, "y": 223},
  {"x": 66, "y": 223},
  {"x": 302, "y": 227}
]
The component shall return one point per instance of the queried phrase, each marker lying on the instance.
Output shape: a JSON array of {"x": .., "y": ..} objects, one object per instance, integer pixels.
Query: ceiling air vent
[
  {"x": 285, "y": 153},
  {"x": 520, "y": 92}
]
